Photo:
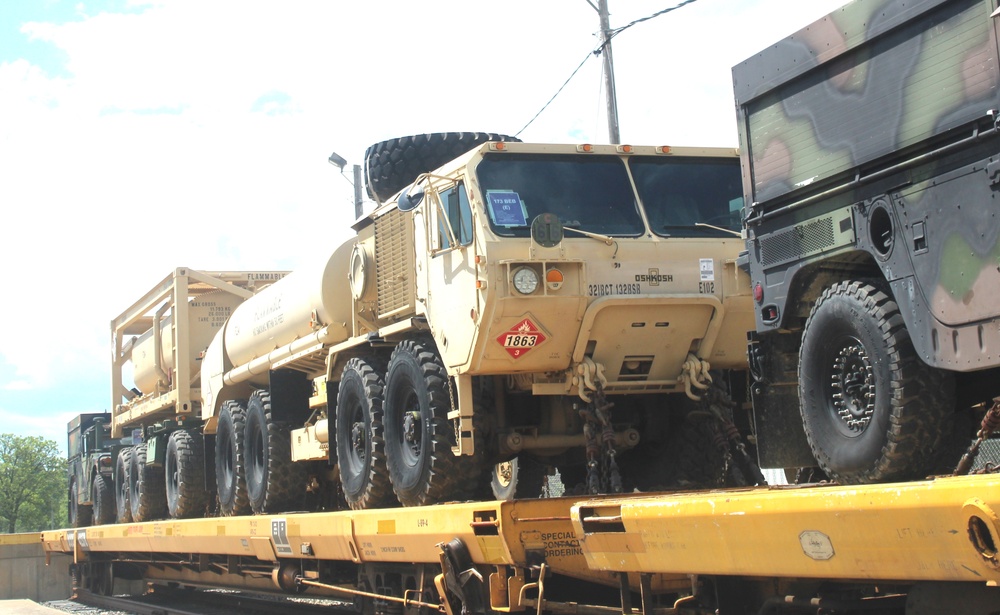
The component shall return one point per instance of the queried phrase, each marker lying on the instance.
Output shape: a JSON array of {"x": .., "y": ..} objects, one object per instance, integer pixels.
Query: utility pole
[{"x": 609, "y": 72}]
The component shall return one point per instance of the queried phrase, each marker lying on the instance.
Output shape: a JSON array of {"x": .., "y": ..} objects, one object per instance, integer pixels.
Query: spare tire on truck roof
[{"x": 391, "y": 165}]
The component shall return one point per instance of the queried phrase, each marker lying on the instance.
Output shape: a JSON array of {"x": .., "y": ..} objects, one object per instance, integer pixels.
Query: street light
[{"x": 340, "y": 162}]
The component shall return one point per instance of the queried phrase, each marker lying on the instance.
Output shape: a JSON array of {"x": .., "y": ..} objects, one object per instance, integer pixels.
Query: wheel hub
[
  {"x": 411, "y": 430},
  {"x": 505, "y": 472},
  {"x": 853, "y": 386},
  {"x": 358, "y": 440}
]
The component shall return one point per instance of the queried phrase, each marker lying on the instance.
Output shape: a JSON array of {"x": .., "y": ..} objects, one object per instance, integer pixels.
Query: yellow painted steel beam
[
  {"x": 945, "y": 529},
  {"x": 521, "y": 534}
]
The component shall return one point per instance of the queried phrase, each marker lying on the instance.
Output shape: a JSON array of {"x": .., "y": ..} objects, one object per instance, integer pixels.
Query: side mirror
[{"x": 410, "y": 198}]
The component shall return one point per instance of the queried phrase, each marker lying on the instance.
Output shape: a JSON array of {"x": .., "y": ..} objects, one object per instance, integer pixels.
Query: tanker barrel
[{"x": 295, "y": 307}]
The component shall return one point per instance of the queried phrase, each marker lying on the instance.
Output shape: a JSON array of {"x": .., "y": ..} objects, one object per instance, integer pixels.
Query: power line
[
  {"x": 544, "y": 107},
  {"x": 618, "y": 31},
  {"x": 596, "y": 52}
]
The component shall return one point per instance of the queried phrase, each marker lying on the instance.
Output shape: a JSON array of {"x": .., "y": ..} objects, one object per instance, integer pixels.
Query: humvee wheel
[
  {"x": 123, "y": 467},
  {"x": 230, "y": 460},
  {"x": 418, "y": 436},
  {"x": 104, "y": 501},
  {"x": 147, "y": 496},
  {"x": 872, "y": 410},
  {"x": 185, "y": 475},
  {"x": 80, "y": 515},
  {"x": 519, "y": 478},
  {"x": 273, "y": 480},
  {"x": 360, "y": 437}
]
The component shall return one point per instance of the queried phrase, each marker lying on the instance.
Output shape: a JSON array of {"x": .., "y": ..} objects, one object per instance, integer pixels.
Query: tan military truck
[{"x": 569, "y": 306}]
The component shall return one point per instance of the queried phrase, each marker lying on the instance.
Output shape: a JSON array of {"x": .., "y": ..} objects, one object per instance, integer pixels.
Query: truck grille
[
  {"x": 797, "y": 242},
  {"x": 394, "y": 264}
]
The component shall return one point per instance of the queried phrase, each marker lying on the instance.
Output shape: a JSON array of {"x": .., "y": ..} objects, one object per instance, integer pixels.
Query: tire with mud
[
  {"x": 104, "y": 501},
  {"x": 185, "y": 475},
  {"x": 360, "y": 436},
  {"x": 230, "y": 460},
  {"x": 274, "y": 482},
  {"x": 391, "y": 165},
  {"x": 872, "y": 410},
  {"x": 147, "y": 495},
  {"x": 418, "y": 436}
]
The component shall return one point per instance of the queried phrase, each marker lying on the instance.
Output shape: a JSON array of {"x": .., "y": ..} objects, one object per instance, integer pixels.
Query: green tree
[{"x": 32, "y": 484}]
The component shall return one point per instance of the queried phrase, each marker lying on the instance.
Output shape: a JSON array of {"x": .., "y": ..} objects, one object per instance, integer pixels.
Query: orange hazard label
[{"x": 521, "y": 339}]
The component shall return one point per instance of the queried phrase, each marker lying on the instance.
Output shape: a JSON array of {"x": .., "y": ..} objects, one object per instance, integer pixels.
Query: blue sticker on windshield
[{"x": 506, "y": 208}]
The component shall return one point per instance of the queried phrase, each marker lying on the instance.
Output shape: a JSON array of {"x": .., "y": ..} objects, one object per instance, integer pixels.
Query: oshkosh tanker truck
[
  {"x": 569, "y": 306},
  {"x": 871, "y": 161}
]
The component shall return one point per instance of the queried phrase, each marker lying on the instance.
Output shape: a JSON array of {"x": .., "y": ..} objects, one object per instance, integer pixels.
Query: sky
[{"x": 138, "y": 136}]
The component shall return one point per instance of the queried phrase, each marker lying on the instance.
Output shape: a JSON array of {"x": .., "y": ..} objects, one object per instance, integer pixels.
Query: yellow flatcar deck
[{"x": 945, "y": 529}]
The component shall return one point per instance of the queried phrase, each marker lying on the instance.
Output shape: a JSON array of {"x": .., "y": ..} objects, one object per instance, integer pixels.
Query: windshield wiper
[
  {"x": 608, "y": 240},
  {"x": 701, "y": 225}
]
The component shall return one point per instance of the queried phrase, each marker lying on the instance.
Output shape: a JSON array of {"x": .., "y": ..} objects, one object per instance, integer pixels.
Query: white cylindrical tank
[
  {"x": 207, "y": 314},
  {"x": 291, "y": 308}
]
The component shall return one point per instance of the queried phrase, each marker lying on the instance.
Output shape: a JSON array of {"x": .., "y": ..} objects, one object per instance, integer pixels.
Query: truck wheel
[
  {"x": 230, "y": 460},
  {"x": 80, "y": 515},
  {"x": 360, "y": 437},
  {"x": 185, "y": 475},
  {"x": 123, "y": 472},
  {"x": 872, "y": 410},
  {"x": 391, "y": 165},
  {"x": 418, "y": 436},
  {"x": 518, "y": 479},
  {"x": 146, "y": 494},
  {"x": 104, "y": 501},
  {"x": 273, "y": 480}
]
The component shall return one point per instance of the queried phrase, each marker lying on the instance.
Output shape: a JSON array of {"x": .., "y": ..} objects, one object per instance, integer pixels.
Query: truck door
[{"x": 452, "y": 297}]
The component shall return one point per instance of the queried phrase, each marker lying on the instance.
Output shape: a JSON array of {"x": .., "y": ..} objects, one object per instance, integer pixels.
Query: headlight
[{"x": 525, "y": 280}]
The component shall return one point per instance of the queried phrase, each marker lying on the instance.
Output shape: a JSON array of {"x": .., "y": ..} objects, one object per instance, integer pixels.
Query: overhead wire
[
  {"x": 546, "y": 105},
  {"x": 596, "y": 52}
]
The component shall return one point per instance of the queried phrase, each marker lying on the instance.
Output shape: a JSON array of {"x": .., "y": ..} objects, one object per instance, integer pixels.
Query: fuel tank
[
  {"x": 207, "y": 314},
  {"x": 297, "y": 305}
]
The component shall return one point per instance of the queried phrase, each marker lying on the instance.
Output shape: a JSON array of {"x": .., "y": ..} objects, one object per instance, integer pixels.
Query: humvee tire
[{"x": 872, "y": 410}]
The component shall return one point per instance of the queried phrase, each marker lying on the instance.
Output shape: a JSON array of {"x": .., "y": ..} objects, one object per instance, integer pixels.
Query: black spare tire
[{"x": 391, "y": 165}]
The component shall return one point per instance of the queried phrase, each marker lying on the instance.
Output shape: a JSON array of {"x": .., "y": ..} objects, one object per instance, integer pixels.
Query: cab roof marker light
[
  {"x": 663, "y": 149},
  {"x": 625, "y": 149},
  {"x": 585, "y": 147},
  {"x": 498, "y": 146}
]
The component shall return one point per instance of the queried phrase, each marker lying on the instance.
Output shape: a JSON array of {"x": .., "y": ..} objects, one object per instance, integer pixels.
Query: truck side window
[{"x": 455, "y": 204}]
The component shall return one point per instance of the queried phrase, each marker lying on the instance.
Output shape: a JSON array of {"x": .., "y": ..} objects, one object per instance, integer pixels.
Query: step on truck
[
  {"x": 871, "y": 165},
  {"x": 507, "y": 310}
]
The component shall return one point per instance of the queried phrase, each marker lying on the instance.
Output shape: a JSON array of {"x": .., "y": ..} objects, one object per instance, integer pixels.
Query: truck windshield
[
  {"x": 681, "y": 193},
  {"x": 590, "y": 193}
]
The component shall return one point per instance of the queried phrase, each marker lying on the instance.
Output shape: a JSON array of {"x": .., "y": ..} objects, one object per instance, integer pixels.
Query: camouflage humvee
[
  {"x": 89, "y": 450},
  {"x": 871, "y": 166}
]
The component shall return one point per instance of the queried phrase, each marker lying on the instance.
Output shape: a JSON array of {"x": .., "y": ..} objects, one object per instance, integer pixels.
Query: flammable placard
[{"x": 524, "y": 336}]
